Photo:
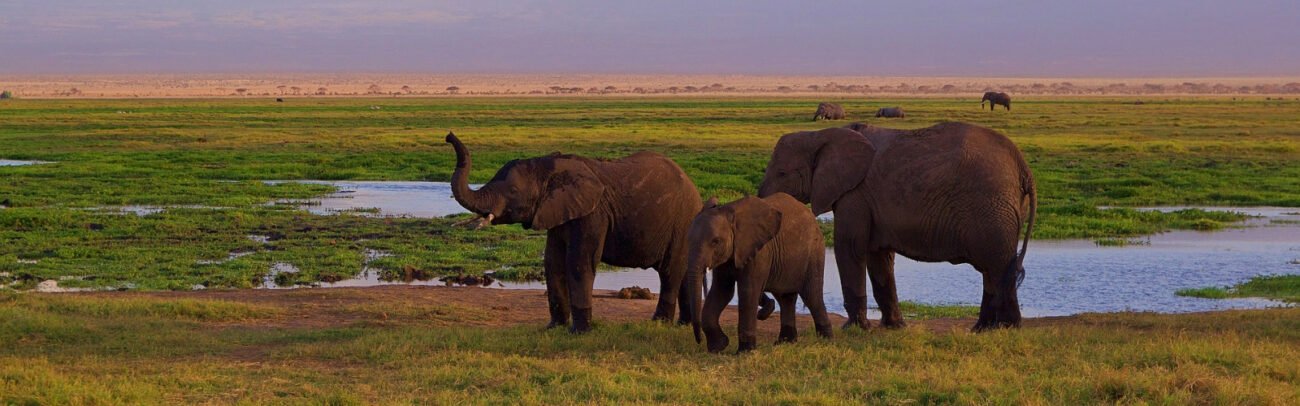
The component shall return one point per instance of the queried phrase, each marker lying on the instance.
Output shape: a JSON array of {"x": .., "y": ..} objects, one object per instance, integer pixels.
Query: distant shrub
[{"x": 6, "y": 95}]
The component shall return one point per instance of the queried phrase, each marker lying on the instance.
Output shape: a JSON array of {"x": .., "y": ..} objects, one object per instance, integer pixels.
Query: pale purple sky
[{"x": 900, "y": 37}]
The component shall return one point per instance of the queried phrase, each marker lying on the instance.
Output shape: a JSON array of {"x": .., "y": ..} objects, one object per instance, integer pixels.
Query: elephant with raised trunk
[
  {"x": 769, "y": 245},
  {"x": 629, "y": 212},
  {"x": 996, "y": 98},
  {"x": 829, "y": 111},
  {"x": 952, "y": 192}
]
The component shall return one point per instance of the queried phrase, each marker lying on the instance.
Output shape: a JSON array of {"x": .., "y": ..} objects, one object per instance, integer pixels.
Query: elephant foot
[
  {"x": 766, "y": 306},
  {"x": 860, "y": 322},
  {"x": 746, "y": 347},
  {"x": 826, "y": 331},
  {"x": 683, "y": 322},
  {"x": 581, "y": 321},
  {"x": 788, "y": 335},
  {"x": 719, "y": 344},
  {"x": 556, "y": 324}
]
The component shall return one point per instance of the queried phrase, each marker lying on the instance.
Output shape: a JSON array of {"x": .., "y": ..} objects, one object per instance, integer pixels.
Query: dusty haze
[{"x": 989, "y": 38}]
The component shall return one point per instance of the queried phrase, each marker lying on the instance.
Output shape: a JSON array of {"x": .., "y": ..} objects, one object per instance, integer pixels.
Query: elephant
[
  {"x": 951, "y": 192},
  {"x": 772, "y": 244},
  {"x": 829, "y": 111},
  {"x": 629, "y": 212},
  {"x": 996, "y": 98},
  {"x": 891, "y": 112}
]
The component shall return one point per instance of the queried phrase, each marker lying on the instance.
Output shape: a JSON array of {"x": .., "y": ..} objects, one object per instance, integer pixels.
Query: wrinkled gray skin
[
  {"x": 629, "y": 212},
  {"x": 952, "y": 192},
  {"x": 758, "y": 245},
  {"x": 891, "y": 112},
  {"x": 996, "y": 98},
  {"x": 829, "y": 111}
]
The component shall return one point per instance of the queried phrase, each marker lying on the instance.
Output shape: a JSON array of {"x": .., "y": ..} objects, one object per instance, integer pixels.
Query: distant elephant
[
  {"x": 771, "y": 245},
  {"x": 630, "y": 212},
  {"x": 891, "y": 112},
  {"x": 829, "y": 111},
  {"x": 952, "y": 192},
  {"x": 996, "y": 98}
]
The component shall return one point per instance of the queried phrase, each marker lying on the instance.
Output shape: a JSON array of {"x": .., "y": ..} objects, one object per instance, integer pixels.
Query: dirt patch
[{"x": 339, "y": 307}]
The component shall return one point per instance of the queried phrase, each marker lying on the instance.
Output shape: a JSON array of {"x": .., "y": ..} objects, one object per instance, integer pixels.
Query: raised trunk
[{"x": 478, "y": 202}]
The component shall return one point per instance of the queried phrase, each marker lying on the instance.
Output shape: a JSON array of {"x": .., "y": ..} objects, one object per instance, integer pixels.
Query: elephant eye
[{"x": 715, "y": 241}]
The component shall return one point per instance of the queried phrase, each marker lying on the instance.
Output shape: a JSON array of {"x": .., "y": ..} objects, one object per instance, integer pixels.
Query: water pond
[{"x": 1062, "y": 277}]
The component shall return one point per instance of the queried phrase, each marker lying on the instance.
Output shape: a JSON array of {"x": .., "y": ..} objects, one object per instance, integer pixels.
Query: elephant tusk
[
  {"x": 486, "y": 221},
  {"x": 475, "y": 222}
]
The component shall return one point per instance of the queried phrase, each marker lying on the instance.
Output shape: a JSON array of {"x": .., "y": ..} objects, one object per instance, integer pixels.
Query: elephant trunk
[
  {"x": 695, "y": 278},
  {"x": 479, "y": 201}
]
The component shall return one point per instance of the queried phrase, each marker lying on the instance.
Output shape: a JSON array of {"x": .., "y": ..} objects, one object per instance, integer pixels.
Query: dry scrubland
[
  {"x": 205, "y": 159},
  {"x": 398, "y": 85}
]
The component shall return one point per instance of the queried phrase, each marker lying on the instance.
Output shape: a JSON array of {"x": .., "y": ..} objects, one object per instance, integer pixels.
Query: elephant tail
[{"x": 1031, "y": 191}]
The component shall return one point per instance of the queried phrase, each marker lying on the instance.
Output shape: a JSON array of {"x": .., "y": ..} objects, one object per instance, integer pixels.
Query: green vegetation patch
[{"x": 1278, "y": 287}]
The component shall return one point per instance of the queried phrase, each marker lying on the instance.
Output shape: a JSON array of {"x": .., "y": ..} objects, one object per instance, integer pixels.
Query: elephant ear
[
  {"x": 711, "y": 203},
  {"x": 840, "y": 165},
  {"x": 571, "y": 191},
  {"x": 756, "y": 223}
]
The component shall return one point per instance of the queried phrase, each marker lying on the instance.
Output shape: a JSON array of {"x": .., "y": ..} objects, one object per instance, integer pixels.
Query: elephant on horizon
[
  {"x": 829, "y": 111},
  {"x": 996, "y": 98},
  {"x": 891, "y": 112},
  {"x": 952, "y": 192},
  {"x": 629, "y": 212},
  {"x": 773, "y": 245}
]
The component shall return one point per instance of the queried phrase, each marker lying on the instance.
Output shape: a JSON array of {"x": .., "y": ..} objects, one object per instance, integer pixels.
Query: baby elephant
[
  {"x": 772, "y": 244},
  {"x": 891, "y": 112}
]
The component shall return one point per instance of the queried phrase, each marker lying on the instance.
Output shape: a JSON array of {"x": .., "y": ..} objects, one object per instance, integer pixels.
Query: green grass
[
  {"x": 116, "y": 350},
  {"x": 1279, "y": 287},
  {"x": 1085, "y": 153}
]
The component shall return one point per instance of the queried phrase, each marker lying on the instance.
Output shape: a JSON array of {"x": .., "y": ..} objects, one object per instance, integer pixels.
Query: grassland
[
  {"x": 1280, "y": 287},
  {"x": 379, "y": 346},
  {"x": 211, "y": 155}
]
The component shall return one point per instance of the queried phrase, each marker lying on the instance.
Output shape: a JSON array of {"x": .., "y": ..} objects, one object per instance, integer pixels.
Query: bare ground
[{"x": 336, "y": 307}]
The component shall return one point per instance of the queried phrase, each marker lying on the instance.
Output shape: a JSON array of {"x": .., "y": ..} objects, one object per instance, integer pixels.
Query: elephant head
[
  {"x": 729, "y": 234},
  {"x": 539, "y": 193},
  {"x": 818, "y": 166}
]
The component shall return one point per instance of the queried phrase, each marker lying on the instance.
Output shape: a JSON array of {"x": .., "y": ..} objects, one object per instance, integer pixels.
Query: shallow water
[
  {"x": 1062, "y": 277},
  {"x": 14, "y": 162},
  {"x": 412, "y": 199}
]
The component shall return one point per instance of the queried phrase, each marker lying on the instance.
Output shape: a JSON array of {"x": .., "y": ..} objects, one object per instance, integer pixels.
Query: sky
[{"x": 1034, "y": 38}]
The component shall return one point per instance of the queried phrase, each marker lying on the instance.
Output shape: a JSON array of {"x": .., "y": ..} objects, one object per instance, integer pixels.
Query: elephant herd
[
  {"x": 952, "y": 192},
  {"x": 832, "y": 111}
]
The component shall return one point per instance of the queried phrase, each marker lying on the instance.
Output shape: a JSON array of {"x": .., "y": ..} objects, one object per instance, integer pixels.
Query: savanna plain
[{"x": 204, "y": 163}]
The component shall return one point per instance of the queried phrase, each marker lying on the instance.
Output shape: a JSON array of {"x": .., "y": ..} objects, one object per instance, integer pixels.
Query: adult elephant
[
  {"x": 634, "y": 211},
  {"x": 951, "y": 192},
  {"x": 829, "y": 111},
  {"x": 996, "y": 98},
  {"x": 891, "y": 112}
]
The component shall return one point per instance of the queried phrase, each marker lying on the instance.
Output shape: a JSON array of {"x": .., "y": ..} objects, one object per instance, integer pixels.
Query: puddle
[
  {"x": 14, "y": 162},
  {"x": 146, "y": 210},
  {"x": 233, "y": 255},
  {"x": 409, "y": 199}
]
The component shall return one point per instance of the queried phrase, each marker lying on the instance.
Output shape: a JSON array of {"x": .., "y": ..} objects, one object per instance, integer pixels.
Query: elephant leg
[
  {"x": 1000, "y": 307},
  {"x": 586, "y": 242},
  {"x": 852, "y": 267},
  {"x": 880, "y": 267},
  {"x": 557, "y": 291},
  {"x": 812, "y": 297},
  {"x": 789, "y": 331},
  {"x": 674, "y": 289},
  {"x": 750, "y": 289},
  {"x": 724, "y": 288}
]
